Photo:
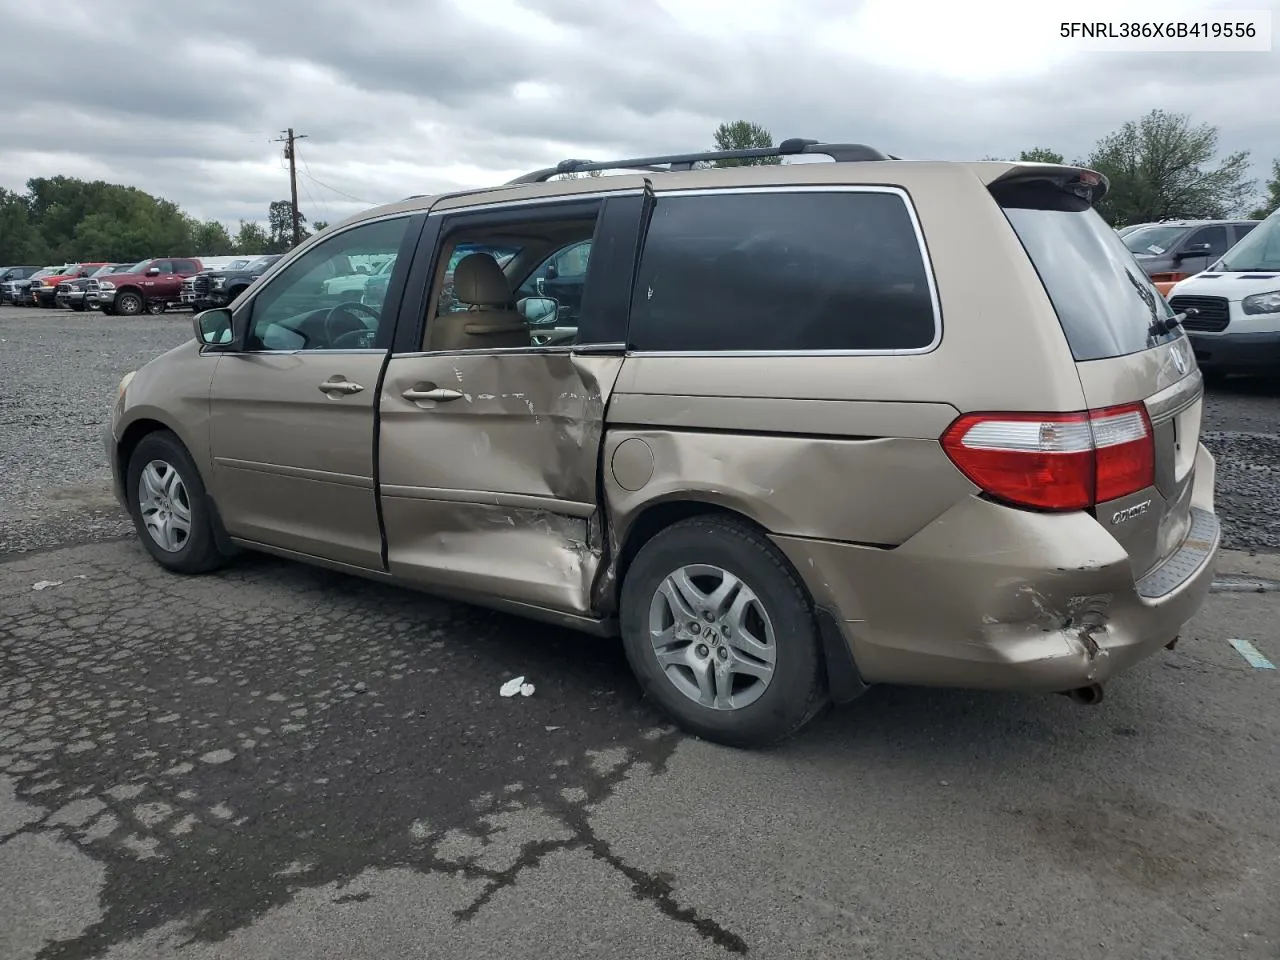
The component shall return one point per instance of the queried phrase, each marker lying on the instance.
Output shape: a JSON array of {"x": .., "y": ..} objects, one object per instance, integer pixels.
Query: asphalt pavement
[{"x": 278, "y": 761}]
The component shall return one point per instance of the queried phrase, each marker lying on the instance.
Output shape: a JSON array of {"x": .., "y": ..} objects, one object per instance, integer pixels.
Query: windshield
[
  {"x": 1260, "y": 250},
  {"x": 1153, "y": 240},
  {"x": 41, "y": 274},
  {"x": 105, "y": 269},
  {"x": 263, "y": 262}
]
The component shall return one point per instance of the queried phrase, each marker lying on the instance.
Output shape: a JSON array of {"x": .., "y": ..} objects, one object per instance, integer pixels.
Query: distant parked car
[
  {"x": 44, "y": 292},
  {"x": 9, "y": 276},
  {"x": 1177, "y": 249},
  {"x": 152, "y": 285},
  {"x": 70, "y": 292}
]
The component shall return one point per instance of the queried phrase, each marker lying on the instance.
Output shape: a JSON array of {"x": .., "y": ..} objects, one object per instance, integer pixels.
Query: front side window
[
  {"x": 315, "y": 303},
  {"x": 1215, "y": 237},
  {"x": 783, "y": 272}
]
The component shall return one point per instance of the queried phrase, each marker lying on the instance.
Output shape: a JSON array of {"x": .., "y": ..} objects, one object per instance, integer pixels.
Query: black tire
[
  {"x": 128, "y": 303},
  {"x": 107, "y": 310},
  {"x": 1214, "y": 378},
  {"x": 198, "y": 552},
  {"x": 796, "y": 691},
  {"x": 157, "y": 308},
  {"x": 77, "y": 307}
]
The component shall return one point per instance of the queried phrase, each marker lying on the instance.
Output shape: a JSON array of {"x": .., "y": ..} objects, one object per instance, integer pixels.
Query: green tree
[
  {"x": 743, "y": 135},
  {"x": 251, "y": 240},
  {"x": 210, "y": 238},
  {"x": 20, "y": 242},
  {"x": 1164, "y": 167},
  {"x": 1271, "y": 203},
  {"x": 280, "y": 226},
  {"x": 1040, "y": 155},
  {"x": 319, "y": 225}
]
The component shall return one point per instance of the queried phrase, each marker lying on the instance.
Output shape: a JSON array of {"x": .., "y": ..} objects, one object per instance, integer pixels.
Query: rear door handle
[
  {"x": 439, "y": 394},
  {"x": 340, "y": 385}
]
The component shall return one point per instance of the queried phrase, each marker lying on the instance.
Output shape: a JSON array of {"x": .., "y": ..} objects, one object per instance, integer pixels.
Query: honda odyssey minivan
[{"x": 810, "y": 427}]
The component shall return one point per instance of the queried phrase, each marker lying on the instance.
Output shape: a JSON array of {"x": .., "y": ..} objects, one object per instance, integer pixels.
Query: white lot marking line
[{"x": 1250, "y": 653}]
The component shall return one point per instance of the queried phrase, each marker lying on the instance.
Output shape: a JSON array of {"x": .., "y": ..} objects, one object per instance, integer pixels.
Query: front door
[
  {"x": 292, "y": 415},
  {"x": 489, "y": 456}
]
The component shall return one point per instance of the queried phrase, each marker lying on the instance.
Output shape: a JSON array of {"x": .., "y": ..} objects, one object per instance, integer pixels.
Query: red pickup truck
[{"x": 152, "y": 285}]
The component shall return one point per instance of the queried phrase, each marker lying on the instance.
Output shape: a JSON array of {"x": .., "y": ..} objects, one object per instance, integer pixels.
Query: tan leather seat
[{"x": 491, "y": 322}]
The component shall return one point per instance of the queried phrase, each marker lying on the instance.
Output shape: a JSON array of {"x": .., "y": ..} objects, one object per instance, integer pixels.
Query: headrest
[{"x": 479, "y": 281}]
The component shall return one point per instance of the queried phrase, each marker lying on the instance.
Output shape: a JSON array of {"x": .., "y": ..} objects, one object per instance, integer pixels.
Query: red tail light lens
[{"x": 1055, "y": 461}]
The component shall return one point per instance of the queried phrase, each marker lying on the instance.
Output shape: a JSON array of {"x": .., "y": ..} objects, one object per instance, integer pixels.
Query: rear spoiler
[{"x": 1088, "y": 185}]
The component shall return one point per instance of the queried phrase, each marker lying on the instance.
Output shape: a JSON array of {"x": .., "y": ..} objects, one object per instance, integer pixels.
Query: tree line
[
  {"x": 67, "y": 220},
  {"x": 1161, "y": 166}
]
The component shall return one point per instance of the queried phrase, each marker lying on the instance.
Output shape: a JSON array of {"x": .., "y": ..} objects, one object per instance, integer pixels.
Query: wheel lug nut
[
  {"x": 702, "y": 650},
  {"x": 708, "y": 616},
  {"x": 722, "y": 653},
  {"x": 695, "y": 627}
]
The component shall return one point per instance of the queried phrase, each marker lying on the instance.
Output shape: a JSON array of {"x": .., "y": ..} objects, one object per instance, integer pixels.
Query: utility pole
[{"x": 291, "y": 155}]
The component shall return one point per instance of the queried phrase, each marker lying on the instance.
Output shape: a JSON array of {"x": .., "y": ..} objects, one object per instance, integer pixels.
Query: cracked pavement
[{"x": 276, "y": 761}]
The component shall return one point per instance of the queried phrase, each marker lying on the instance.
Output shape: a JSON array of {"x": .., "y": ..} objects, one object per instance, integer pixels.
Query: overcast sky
[{"x": 402, "y": 97}]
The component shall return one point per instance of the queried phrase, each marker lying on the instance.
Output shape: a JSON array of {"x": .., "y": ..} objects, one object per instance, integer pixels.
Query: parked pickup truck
[
  {"x": 44, "y": 292},
  {"x": 70, "y": 293},
  {"x": 152, "y": 285},
  {"x": 217, "y": 288}
]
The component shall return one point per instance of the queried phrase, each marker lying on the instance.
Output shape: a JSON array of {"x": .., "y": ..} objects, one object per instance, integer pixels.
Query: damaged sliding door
[{"x": 488, "y": 473}]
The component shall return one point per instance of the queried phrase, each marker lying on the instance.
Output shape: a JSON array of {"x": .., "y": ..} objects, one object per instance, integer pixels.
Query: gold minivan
[{"x": 789, "y": 429}]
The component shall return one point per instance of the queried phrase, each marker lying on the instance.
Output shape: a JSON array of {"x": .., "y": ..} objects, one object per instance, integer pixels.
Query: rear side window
[
  {"x": 1106, "y": 303},
  {"x": 783, "y": 272}
]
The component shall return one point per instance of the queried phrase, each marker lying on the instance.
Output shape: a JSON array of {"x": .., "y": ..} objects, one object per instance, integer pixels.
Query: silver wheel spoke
[
  {"x": 749, "y": 667},
  {"x": 693, "y": 598},
  {"x": 740, "y": 636},
  {"x": 678, "y": 589},
  {"x": 724, "y": 686},
  {"x": 706, "y": 693},
  {"x": 719, "y": 598},
  {"x": 152, "y": 482},
  {"x": 173, "y": 484},
  {"x": 181, "y": 511}
]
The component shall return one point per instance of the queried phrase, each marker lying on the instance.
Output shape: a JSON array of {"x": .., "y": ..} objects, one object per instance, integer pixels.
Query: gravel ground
[{"x": 60, "y": 370}]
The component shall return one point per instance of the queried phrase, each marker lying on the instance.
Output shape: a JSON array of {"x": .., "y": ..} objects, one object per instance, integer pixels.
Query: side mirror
[
  {"x": 539, "y": 311},
  {"x": 153, "y": 272},
  {"x": 214, "y": 328},
  {"x": 1195, "y": 250},
  {"x": 552, "y": 271}
]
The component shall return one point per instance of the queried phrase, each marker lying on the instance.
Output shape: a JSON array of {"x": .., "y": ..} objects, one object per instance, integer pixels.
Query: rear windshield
[{"x": 1107, "y": 305}]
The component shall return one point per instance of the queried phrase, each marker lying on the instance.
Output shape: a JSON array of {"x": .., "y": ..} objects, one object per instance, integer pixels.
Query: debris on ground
[
  {"x": 46, "y": 584},
  {"x": 516, "y": 685}
]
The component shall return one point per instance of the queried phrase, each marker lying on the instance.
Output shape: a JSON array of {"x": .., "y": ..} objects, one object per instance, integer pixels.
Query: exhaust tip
[{"x": 1088, "y": 695}]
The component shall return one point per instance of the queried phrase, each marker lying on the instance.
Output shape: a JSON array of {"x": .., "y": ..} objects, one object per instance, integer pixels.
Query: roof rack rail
[{"x": 839, "y": 152}]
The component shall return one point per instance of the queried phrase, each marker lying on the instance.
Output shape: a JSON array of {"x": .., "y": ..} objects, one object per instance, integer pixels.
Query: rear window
[{"x": 1106, "y": 303}]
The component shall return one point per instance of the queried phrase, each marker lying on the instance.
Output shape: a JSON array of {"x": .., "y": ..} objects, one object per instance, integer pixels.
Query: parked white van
[{"x": 1233, "y": 308}]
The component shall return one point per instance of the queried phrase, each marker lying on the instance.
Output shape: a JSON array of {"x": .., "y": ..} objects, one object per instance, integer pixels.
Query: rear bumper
[
  {"x": 1237, "y": 352},
  {"x": 991, "y": 597}
]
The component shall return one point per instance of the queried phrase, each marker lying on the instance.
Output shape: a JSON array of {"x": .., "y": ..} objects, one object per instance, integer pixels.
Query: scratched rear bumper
[{"x": 997, "y": 598}]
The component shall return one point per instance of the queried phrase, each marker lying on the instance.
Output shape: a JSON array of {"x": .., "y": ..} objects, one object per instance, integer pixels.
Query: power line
[{"x": 307, "y": 173}]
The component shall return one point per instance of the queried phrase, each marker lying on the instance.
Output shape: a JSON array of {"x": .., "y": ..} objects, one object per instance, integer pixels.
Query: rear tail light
[{"x": 1055, "y": 461}]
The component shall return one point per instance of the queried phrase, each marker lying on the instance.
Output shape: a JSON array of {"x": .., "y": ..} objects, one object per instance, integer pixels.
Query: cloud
[{"x": 417, "y": 96}]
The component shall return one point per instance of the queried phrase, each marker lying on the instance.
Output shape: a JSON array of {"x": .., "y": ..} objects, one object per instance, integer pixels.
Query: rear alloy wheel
[
  {"x": 157, "y": 308},
  {"x": 128, "y": 304},
  {"x": 167, "y": 501},
  {"x": 721, "y": 634}
]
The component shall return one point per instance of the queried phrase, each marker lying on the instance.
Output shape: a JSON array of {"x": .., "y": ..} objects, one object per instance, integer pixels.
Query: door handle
[
  {"x": 340, "y": 385},
  {"x": 439, "y": 394}
]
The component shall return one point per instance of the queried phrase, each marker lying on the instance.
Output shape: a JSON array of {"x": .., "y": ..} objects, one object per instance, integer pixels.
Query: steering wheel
[{"x": 348, "y": 310}]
